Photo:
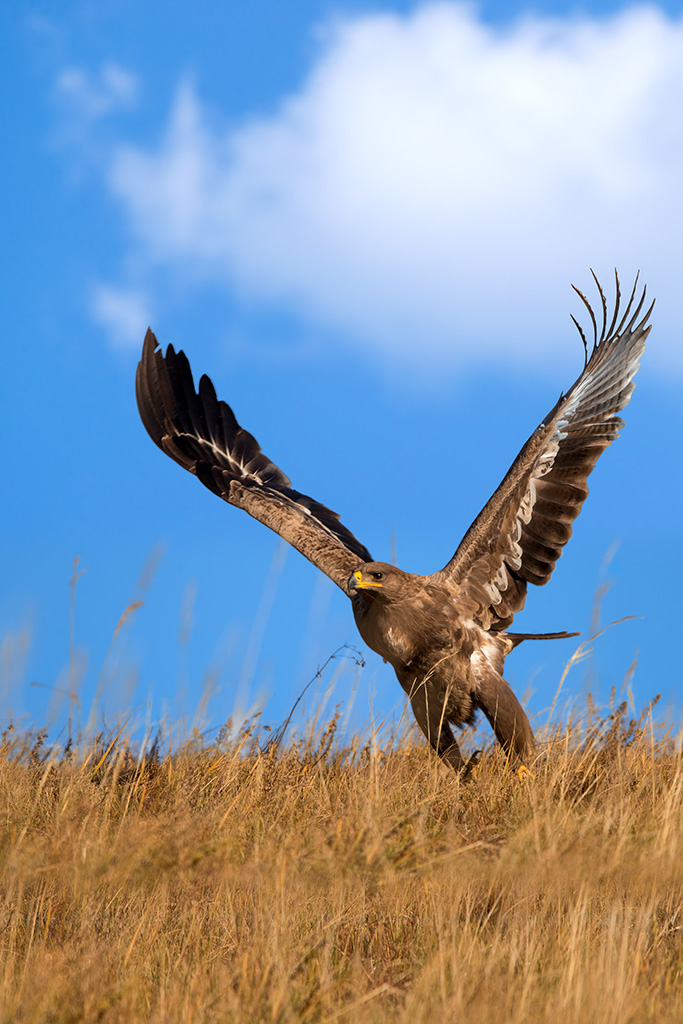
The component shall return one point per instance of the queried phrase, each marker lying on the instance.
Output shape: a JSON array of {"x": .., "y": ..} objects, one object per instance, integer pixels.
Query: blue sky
[{"x": 362, "y": 220}]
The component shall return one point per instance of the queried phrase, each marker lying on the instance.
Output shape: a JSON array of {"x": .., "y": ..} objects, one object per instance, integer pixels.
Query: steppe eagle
[{"x": 445, "y": 634}]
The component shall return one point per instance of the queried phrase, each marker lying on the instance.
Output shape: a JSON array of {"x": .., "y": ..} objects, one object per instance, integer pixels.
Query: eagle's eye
[{"x": 377, "y": 575}]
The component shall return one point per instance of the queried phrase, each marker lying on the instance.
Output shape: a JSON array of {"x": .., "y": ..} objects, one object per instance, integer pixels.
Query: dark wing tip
[
  {"x": 592, "y": 316},
  {"x": 201, "y": 433},
  {"x": 624, "y": 321},
  {"x": 146, "y": 386},
  {"x": 583, "y": 337}
]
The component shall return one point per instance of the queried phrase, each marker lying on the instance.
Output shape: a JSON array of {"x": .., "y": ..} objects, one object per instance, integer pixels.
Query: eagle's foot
[
  {"x": 470, "y": 765},
  {"x": 524, "y": 773}
]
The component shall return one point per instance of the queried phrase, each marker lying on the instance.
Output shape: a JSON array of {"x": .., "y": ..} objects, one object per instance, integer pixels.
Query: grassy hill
[{"x": 237, "y": 882}]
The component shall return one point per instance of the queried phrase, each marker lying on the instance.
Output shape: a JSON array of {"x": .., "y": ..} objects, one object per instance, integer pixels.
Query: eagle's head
[{"x": 379, "y": 581}]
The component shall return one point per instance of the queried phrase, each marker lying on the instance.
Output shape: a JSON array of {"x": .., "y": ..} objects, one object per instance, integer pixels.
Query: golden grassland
[{"x": 237, "y": 881}]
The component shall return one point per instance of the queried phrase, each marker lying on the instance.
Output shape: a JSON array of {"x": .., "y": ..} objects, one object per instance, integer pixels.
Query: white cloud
[
  {"x": 84, "y": 100},
  {"x": 91, "y": 96},
  {"x": 123, "y": 312},
  {"x": 436, "y": 182}
]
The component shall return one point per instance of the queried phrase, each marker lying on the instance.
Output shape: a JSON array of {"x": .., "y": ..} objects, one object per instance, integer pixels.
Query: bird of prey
[{"x": 445, "y": 634}]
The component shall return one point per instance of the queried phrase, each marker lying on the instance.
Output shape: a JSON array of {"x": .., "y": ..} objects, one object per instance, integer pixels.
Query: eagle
[{"x": 445, "y": 634}]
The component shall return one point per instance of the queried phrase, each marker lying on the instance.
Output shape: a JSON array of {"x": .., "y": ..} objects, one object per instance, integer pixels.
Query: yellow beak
[{"x": 360, "y": 582}]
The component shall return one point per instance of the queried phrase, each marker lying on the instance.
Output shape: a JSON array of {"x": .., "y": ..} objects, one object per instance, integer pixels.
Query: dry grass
[{"x": 230, "y": 883}]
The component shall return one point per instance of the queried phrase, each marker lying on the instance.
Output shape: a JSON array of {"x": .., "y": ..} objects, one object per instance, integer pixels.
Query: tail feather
[{"x": 516, "y": 638}]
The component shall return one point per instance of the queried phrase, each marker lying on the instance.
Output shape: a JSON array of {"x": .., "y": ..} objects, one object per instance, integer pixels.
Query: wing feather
[
  {"x": 201, "y": 433},
  {"x": 519, "y": 535}
]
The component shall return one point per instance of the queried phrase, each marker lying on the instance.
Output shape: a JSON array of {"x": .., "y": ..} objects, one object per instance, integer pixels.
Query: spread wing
[
  {"x": 202, "y": 435},
  {"x": 518, "y": 536}
]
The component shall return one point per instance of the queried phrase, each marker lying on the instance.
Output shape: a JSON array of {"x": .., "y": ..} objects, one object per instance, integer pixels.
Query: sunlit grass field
[{"x": 332, "y": 880}]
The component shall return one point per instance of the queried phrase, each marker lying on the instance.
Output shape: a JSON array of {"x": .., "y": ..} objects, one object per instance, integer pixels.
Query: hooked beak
[{"x": 356, "y": 582}]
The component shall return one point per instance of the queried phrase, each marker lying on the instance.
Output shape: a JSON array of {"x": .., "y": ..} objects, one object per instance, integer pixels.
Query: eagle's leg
[
  {"x": 430, "y": 716},
  {"x": 506, "y": 715}
]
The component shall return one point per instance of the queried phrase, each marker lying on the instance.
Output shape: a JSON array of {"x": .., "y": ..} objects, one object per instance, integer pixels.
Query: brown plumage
[{"x": 446, "y": 635}]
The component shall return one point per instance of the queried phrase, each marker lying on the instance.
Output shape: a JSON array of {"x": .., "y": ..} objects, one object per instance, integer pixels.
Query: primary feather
[
  {"x": 519, "y": 535},
  {"x": 201, "y": 433}
]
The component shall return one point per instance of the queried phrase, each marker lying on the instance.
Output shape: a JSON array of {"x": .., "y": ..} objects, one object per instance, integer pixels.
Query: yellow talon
[{"x": 524, "y": 773}]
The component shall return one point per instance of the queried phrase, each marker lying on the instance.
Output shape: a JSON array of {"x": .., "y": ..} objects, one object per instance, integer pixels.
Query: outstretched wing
[
  {"x": 202, "y": 435},
  {"x": 519, "y": 534}
]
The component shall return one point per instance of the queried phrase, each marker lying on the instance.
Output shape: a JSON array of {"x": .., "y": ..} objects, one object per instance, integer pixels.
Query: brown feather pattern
[
  {"x": 519, "y": 535},
  {"x": 202, "y": 434},
  {"x": 446, "y": 634}
]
